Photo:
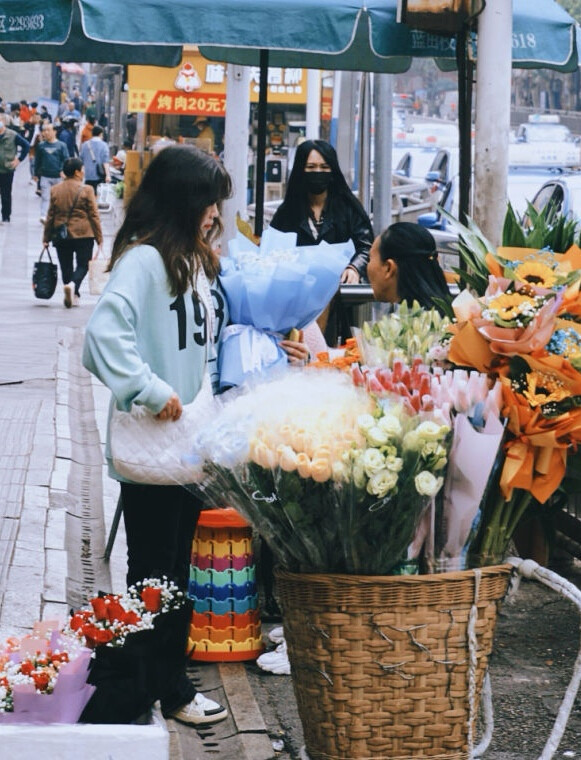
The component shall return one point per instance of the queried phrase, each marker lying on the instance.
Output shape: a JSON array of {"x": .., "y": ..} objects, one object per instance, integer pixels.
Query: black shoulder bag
[{"x": 44, "y": 276}]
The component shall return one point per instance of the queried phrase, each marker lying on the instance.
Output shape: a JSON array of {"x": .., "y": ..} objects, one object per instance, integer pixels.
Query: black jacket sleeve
[
  {"x": 361, "y": 233},
  {"x": 344, "y": 222},
  {"x": 24, "y": 146}
]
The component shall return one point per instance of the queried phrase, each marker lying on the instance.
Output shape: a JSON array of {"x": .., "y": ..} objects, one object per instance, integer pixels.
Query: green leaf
[{"x": 512, "y": 232}]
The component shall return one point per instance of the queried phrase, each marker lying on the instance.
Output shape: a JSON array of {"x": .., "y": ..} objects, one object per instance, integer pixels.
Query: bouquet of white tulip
[{"x": 333, "y": 479}]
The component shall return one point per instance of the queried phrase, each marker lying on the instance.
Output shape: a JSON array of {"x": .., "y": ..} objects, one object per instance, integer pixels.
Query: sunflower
[
  {"x": 535, "y": 273},
  {"x": 511, "y": 309},
  {"x": 544, "y": 388}
]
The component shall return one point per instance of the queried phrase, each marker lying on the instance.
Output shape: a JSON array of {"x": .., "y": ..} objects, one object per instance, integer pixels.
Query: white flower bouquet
[{"x": 333, "y": 479}]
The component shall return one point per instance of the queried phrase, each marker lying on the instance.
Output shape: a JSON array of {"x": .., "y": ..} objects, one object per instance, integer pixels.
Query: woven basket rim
[{"x": 345, "y": 578}]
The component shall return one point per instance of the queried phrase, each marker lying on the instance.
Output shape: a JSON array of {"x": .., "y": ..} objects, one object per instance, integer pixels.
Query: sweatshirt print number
[{"x": 200, "y": 334}]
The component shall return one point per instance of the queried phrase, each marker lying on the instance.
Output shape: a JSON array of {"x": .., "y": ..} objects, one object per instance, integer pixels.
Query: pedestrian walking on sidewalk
[
  {"x": 13, "y": 150},
  {"x": 94, "y": 152},
  {"x": 72, "y": 203},
  {"x": 68, "y": 135},
  {"x": 49, "y": 160},
  {"x": 147, "y": 341}
]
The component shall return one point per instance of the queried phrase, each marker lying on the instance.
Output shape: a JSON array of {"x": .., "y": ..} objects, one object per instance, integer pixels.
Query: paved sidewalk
[
  {"x": 56, "y": 502},
  {"x": 41, "y": 384}
]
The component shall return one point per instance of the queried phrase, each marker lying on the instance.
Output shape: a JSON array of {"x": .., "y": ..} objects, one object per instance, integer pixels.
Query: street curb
[{"x": 245, "y": 712}]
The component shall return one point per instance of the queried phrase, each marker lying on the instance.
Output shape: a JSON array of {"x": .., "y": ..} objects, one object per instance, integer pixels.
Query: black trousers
[
  {"x": 160, "y": 522},
  {"x": 66, "y": 250},
  {"x": 94, "y": 183},
  {"x": 6, "y": 180}
]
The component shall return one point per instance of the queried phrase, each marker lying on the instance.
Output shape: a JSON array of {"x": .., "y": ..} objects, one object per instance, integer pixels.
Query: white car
[
  {"x": 560, "y": 186},
  {"x": 564, "y": 195},
  {"x": 544, "y": 141}
]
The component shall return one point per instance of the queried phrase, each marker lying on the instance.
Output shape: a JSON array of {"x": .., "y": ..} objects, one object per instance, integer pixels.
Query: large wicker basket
[{"x": 390, "y": 667}]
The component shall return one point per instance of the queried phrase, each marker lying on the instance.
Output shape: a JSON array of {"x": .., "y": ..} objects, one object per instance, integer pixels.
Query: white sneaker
[
  {"x": 276, "y": 635},
  {"x": 276, "y": 662},
  {"x": 200, "y": 712}
]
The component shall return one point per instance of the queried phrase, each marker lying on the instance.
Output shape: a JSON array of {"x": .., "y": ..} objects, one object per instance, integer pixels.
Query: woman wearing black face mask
[{"x": 319, "y": 205}]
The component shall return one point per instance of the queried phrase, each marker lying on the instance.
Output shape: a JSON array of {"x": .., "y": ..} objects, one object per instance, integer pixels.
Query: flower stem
[
  {"x": 490, "y": 540},
  {"x": 521, "y": 507}
]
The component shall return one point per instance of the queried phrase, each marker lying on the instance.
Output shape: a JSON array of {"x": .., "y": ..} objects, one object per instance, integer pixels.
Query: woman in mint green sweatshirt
[{"x": 148, "y": 342}]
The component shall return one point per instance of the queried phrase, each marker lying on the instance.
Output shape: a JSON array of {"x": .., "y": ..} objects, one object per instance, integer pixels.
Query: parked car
[
  {"x": 544, "y": 141},
  {"x": 564, "y": 195},
  {"x": 536, "y": 185},
  {"x": 431, "y": 134}
]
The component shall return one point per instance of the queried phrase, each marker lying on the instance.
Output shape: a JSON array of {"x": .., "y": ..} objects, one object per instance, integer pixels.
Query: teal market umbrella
[
  {"x": 52, "y": 30},
  {"x": 360, "y": 35}
]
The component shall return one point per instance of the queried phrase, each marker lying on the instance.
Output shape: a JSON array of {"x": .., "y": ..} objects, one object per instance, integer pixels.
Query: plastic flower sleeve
[
  {"x": 43, "y": 678},
  {"x": 472, "y": 457},
  {"x": 272, "y": 290}
]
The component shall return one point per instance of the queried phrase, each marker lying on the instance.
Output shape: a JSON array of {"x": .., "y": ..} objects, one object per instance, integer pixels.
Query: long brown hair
[{"x": 167, "y": 209}]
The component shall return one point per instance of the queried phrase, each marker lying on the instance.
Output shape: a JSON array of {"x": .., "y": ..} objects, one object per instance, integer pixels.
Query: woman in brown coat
[{"x": 73, "y": 204}]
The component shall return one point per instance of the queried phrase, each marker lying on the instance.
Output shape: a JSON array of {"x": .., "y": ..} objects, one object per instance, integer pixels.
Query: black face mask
[{"x": 318, "y": 182}]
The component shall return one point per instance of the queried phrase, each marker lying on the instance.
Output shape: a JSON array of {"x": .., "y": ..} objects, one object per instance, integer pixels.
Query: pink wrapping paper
[
  {"x": 66, "y": 703},
  {"x": 471, "y": 459}
]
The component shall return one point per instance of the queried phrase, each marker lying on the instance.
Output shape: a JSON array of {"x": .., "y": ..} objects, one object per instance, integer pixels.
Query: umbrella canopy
[
  {"x": 359, "y": 35},
  {"x": 35, "y": 30}
]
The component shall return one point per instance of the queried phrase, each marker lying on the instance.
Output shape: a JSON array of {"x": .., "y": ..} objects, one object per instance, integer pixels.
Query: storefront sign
[
  {"x": 198, "y": 87},
  {"x": 326, "y": 107},
  {"x": 171, "y": 102}
]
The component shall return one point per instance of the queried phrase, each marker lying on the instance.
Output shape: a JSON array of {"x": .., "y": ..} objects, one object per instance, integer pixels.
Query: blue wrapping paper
[{"x": 273, "y": 289}]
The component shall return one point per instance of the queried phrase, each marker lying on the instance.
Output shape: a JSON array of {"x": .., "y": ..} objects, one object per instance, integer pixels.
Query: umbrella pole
[
  {"x": 261, "y": 144},
  {"x": 465, "y": 74}
]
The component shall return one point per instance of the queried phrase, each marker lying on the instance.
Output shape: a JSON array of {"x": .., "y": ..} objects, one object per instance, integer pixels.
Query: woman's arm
[
  {"x": 361, "y": 233},
  {"x": 110, "y": 352}
]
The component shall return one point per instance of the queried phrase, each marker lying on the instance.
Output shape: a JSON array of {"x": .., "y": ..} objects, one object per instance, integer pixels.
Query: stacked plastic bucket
[{"x": 226, "y": 619}]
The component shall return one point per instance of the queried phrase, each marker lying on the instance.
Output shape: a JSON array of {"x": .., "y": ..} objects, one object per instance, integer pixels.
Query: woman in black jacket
[{"x": 319, "y": 205}]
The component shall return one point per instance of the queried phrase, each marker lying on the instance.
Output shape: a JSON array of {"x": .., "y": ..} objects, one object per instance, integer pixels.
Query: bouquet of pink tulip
[{"x": 406, "y": 358}]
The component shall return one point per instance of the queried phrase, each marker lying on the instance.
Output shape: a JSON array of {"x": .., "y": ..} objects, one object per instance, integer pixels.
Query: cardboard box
[
  {"x": 133, "y": 161},
  {"x": 86, "y": 742},
  {"x": 131, "y": 180}
]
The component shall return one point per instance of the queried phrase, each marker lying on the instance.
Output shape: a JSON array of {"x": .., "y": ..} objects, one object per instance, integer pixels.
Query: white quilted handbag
[{"x": 147, "y": 450}]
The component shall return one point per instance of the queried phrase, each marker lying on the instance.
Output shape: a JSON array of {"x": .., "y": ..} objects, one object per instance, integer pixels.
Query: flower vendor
[
  {"x": 319, "y": 205},
  {"x": 403, "y": 266}
]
